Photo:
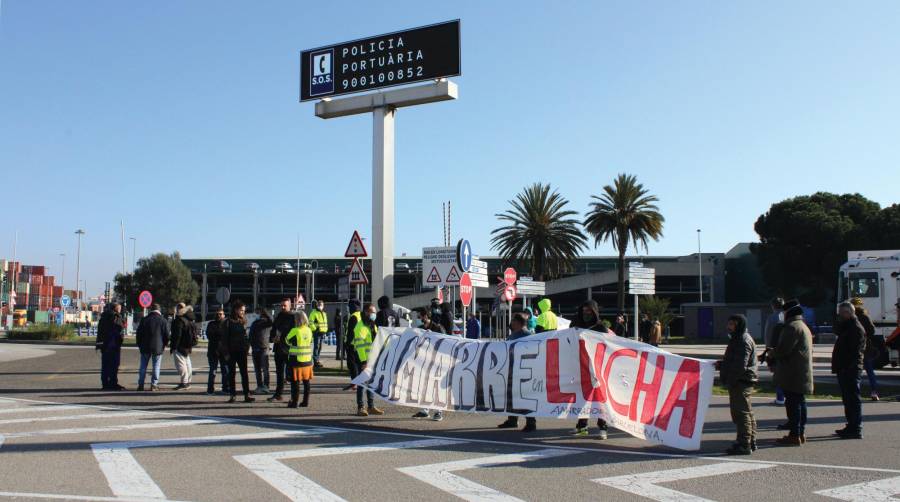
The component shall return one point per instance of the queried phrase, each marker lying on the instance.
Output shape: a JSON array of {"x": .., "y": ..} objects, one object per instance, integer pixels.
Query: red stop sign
[
  {"x": 509, "y": 276},
  {"x": 465, "y": 289}
]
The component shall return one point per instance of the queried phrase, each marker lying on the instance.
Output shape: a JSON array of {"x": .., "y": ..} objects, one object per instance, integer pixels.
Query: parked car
[
  {"x": 251, "y": 266},
  {"x": 219, "y": 266},
  {"x": 401, "y": 267},
  {"x": 284, "y": 268},
  {"x": 269, "y": 271}
]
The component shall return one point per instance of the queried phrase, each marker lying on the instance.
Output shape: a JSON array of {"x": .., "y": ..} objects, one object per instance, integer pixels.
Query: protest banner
[{"x": 572, "y": 373}]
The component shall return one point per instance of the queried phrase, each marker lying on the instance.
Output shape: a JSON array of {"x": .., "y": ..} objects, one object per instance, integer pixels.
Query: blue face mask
[{"x": 371, "y": 317}]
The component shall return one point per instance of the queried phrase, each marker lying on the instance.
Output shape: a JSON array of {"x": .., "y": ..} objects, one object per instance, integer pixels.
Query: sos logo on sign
[{"x": 322, "y": 81}]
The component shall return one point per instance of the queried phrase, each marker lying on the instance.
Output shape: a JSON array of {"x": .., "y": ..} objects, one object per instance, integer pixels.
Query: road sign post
[
  {"x": 375, "y": 63},
  {"x": 641, "y": 281}
]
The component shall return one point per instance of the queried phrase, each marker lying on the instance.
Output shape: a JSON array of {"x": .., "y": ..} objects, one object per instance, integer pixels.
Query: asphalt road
[{"x": 62, "y": 438}]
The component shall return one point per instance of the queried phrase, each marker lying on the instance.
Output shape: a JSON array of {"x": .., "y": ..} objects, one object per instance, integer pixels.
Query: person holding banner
[
  {"x": 354, "y": 318},
  {"x": 589, "y": 318},
  {"x": 363, "y": 335},
  {"x": 546, "y": 321},
  {"x": 517, "y": 331},
  {"x": 738, "y": 374},
  {"x": 427, "y": 323}
]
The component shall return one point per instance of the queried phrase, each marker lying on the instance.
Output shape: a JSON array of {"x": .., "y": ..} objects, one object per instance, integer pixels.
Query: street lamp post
[
  {"x": 133, "y": 253},
  {"x": 699, "y": 267},
  {"x": 79, "y": 233},
  {"x": 312, "y": 293},
  {"x": 62, "y": 276}
]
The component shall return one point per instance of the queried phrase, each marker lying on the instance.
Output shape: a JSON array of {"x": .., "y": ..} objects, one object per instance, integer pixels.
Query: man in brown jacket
[{"x": 794, "y": 370}]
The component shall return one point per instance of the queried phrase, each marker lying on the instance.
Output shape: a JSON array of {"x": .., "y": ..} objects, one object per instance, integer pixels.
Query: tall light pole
[
  {"x": 62, "y": 276},
  {"x": 133, "y": 253},
  {"x": 79, "y": 233},
  {"x": 699, "y": 266}
]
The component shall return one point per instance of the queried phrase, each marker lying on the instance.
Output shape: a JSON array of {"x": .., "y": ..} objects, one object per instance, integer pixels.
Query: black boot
[
  {"x": 511, "y": 423},
  {"x": 305, "y": 402}
]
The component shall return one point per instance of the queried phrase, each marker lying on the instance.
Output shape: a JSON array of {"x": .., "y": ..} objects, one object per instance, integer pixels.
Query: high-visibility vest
[
  {"x": 318, "y": 321},
  {"x": 362, "y": 340},
  {"x": 358, "y": 316},
  {"x": 299, "y": 340},
  {"x": 547, "y": 321}
]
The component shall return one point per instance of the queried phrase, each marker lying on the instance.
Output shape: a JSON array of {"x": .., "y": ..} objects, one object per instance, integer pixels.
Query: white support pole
[
  {"x": 635, "y": 320},
  {"x": 383, "y": 202}
]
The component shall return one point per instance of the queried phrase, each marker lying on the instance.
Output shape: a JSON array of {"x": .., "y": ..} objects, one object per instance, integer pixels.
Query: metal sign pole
[{"x": 635, "y": 320}]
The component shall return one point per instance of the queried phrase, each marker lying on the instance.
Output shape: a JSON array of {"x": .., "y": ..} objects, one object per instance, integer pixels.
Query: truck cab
[{"x": 874, "y": 277}]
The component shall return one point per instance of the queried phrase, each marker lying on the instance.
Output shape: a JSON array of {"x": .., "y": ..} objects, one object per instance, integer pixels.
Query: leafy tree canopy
[{"x": 164, "y": 276}]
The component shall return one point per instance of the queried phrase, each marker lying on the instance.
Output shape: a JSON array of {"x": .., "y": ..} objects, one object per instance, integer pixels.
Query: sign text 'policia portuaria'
[{"x": 403, "y": 57}]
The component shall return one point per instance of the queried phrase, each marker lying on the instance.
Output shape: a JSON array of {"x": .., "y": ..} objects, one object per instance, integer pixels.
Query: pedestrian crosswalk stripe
[{"x": 645, "y": 483}]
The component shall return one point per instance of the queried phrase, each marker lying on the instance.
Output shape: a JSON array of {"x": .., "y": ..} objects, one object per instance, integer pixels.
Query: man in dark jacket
[
  {"x": 873, "y": 350},
  {"x": 589, "y": 318},
  {"x": 110, "y": 335},
  {"x": 260, "y": 332},
  {"x": 847, "y": 363},
  {"x": 182, "y": 343},
  {"x": 387, "y": 316},
  {"x": 152, "y": 338},
  {"x": 518, "y": 330},
  {"x": 620, "y": 327},
  {"x": 427, "y": 323},
  {"x": 645, "y": 328},
  {"x": 284, "y": 322},
  {"x": 213, "y": 335},
  {"x": 737, "y": 372},
  {"x": 794, "y": 371},
  {"x": 234, "y": 344}
]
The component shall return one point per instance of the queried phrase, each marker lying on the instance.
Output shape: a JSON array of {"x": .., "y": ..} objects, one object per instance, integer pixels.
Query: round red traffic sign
[
  {"x": 509, "y": 294},
  {"x": 145, "y": 299},
  {"x": 440, "y": 295},
  {"x": 509, "y": 276},
  {"x": 465, "y": 289}
]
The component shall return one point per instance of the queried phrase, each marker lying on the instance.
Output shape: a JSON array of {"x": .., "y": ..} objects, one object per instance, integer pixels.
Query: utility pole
[
  {"x": 133, "y": 253},
  {"x": 62, "y": 277},
  {"x": 699, "y": 267},
  {"x": 122, "y": 229},
  {"x": 79, "y": 233},
  {"x": 297, "y": 283}
]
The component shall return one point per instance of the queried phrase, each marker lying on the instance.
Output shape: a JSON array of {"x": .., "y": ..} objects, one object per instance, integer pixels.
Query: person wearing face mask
[
  {"x": 847, "y": 362},
  {"x": 425, "y": 322},
  {"x": 589, "y": 318},
  {"x": 387, "y": 317},
  {"x": 530, "y": 319},
  {"x": 235, "y": 344},
  {"x": 737, "y": 371},
  {"x": 354, "y": 318},
  {"x": 284, "y": 322},
  {"x": 363, "y": 336},
  {"x": 318, "y": 323}
]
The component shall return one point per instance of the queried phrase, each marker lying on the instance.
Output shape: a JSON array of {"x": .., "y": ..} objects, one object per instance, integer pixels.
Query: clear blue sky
[{"x": 182, "y": 118}]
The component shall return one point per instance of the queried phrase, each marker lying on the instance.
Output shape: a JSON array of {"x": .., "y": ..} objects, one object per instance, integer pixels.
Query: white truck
[{"x": 873, "y": 276}]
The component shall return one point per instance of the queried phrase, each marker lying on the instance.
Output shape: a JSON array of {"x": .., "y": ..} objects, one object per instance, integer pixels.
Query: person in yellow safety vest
[
  {"x": 547, "y": 320},
  {"x": 363, "y": 336},
  {"x": 300, "y": 359},
  {"x": 318, "y": 323}
]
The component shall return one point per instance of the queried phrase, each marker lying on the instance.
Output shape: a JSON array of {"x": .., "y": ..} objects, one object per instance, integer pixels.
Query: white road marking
[
  {"x": 55, "y": 496},
  {"x": 126, "y": 477},
  {"x": 107, "y": 415},
  {"x": 441, "y": 475},
  {"x": 114, "y": 428},
  {"x": 43, "y": 409},
  {"x": 645, "y": 483},
  {"x": 296, "y": 486},
  {"x": 882, "y": 490}
]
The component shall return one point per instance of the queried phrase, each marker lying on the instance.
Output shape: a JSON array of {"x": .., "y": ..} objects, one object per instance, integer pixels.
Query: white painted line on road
[
  {"x": 44, "y": 409},
  {"x": 107, "y": 415},
  {"x": 441, "y": 475},
  {"x": 296, "y": 486},
  {"x": 645, "y": 483},
  {"x": 126, "y": 477},
  {"x": 883, "y": 490},
  {"x": 115, "y": 428},
  {"x": 55, "y": 496}
]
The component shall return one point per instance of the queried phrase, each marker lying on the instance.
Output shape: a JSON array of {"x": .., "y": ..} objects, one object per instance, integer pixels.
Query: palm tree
[
  {"x": 626, "y": 214},
  {"x": 541, "y": 233}
]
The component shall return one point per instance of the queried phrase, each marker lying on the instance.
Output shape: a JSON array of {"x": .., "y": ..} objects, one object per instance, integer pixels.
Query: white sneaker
[
  {"x": 438, "y": 416},
  {"x": 778, "y": 402}
]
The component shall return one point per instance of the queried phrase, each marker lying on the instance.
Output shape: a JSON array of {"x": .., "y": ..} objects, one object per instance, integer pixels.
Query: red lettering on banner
[
  {"x": 591, "y": 393},
  {"x": 687, "y": 380},
  {"x": 554, "y": 395},
  {"x": 621, "y": 409},
  {"x": 650, "y": 390}
]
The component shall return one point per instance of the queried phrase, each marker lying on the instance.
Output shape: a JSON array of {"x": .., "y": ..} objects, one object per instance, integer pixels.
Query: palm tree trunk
[{"x": 621, "y": 280}]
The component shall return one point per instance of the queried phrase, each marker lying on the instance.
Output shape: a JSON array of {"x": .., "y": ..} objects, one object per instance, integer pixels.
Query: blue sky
[{"x": 182, "y": 118}]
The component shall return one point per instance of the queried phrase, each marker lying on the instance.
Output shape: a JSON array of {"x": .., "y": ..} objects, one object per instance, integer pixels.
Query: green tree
[
  {"x": 625, "y": 213},
  {"x": 658, "y": 309},
  {"x": 541, "y": 234},
  {"x": 803, "y": 241},
  {"x": 884, "y": 228},
  {"x": 164, "y": 276}
]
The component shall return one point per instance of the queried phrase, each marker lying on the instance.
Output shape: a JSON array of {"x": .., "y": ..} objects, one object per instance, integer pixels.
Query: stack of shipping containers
[{"x": 35, "y": 291}]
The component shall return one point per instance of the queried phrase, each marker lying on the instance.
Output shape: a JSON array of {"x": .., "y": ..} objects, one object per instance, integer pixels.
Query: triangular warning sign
[
  {"x": 356, "y": 249},
  {"x": 452, "y": 275},
  {"x": 357, "y": 275},
  {"x": 433, "y": 277}
]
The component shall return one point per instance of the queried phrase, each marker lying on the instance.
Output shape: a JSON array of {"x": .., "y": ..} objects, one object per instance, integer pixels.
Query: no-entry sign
[
  {"x": 510, "y": 276},
  {"x": 509, "y": 294},
  {"x": 398, "y": 58},
  {"x": 465, "y": 290},
  {"x": 145, "y": 299}
]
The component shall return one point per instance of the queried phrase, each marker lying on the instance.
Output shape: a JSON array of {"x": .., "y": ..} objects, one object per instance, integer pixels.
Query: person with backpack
[
  {"x": 737, "y": 371},
  {"x": 184, "y": 338},
  {"x": 260, "y": 332},
  {"x": 234, "y": 346}
]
